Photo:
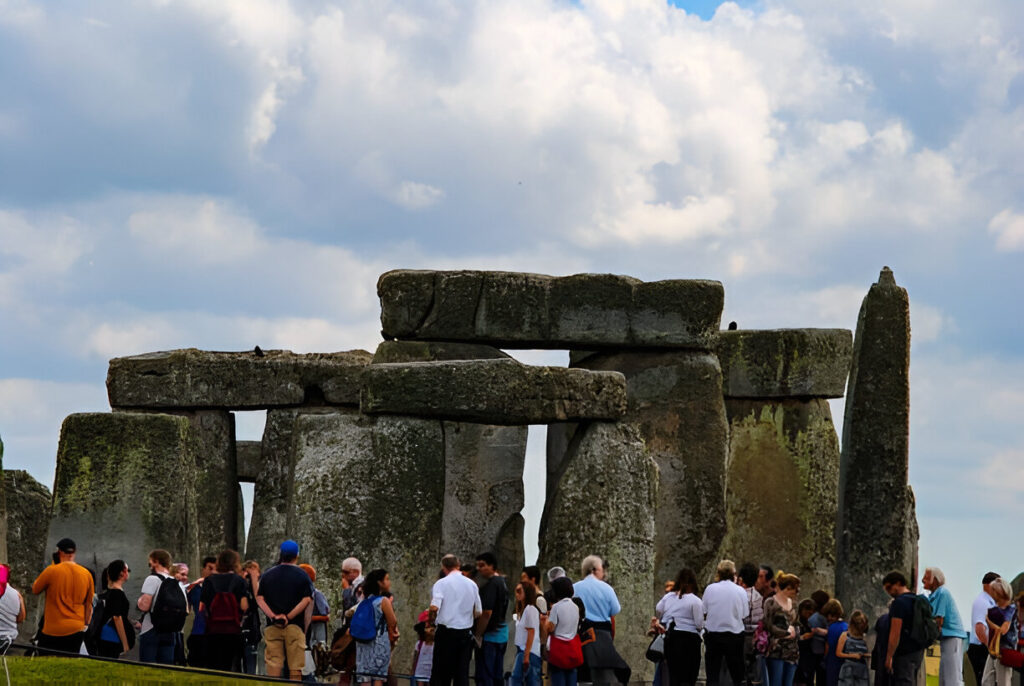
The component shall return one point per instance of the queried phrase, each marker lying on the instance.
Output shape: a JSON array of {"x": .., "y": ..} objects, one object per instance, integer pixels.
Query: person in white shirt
[
  {"x": 977, "y": 653},
  {"x": 725, "y": 606},
  {"x": 563, "y": 622},
  {"x": 681, "y": 613},
  {"x": 454, "y": 605}
]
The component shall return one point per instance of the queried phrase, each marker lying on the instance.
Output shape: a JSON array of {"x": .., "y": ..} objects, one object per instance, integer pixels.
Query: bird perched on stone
[
  {"x": 732, "y": 326},
  {"x": 258, "y": 351}
]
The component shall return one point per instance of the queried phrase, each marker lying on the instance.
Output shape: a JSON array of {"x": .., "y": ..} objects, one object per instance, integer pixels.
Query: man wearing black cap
[{"x": 69, "y": 590}]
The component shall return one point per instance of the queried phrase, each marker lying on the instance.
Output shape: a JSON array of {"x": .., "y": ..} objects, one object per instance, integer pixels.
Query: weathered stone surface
[
  {"x": 875, "y": 503},
  {"x": 3, "y": 511},
  {"x": 373, "y": 488},
  {"x": 125, "y": 484},
  {"x": 783, "y": 485},
  {"x": 515, "y": 310},
  {"x": 248, "y": 456},
  {"x": 785, "y": 363},
  {"x": 201, "y": 379},
  {"x": 274, "y": 496},
  {"x": 675, "y": 398},
  {"x": 28, "y": 522},
  {"x": 603, "y": 504},
  {"x": 492, "y": 392},
  {"x": 483, "y": 467}
]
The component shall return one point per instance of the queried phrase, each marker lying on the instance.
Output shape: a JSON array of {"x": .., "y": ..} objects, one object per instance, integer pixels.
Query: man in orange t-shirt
[{"x": 69, "y": 591}]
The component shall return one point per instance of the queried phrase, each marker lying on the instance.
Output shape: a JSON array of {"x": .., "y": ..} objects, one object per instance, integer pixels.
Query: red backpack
[{"x": 223, "y": 616}]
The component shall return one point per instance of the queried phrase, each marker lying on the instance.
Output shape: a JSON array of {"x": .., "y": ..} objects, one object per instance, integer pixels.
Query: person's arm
[
  {"x": 87, "y": 602},
  {"x": 42, "y": 581},
  {"x": 698, "y": 616},
  {"x": 119, "y": 625},
  {"x": 981, "y": 632},
  {"x": 530, "y": 632},
  {"x": 262, "y": 604},
  {"x": 613, "y": 626},
  {"x": 388, "y": 610},
  {"x": 895, "y": 626},
  {"x": 243, "y": 604},
  {"x": 841, "y": 648},
  {"x": 480, "y": 625},
  {"x": 145, "y": 601},
  {"x": 21, "y": 613},
  {"x": 307, "y": 613},
  {"x": 478, "y": 608}
]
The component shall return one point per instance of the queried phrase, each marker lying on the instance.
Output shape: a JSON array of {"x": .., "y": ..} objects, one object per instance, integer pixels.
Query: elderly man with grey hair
[
  {"x": 725, "y": 605},
  {"x": 603, "y": 662},
  {"x": 952, "y": 633}
]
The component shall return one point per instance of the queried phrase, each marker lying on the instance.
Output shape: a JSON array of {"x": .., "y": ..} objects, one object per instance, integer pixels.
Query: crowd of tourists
[{"x": 749, "y": 626}]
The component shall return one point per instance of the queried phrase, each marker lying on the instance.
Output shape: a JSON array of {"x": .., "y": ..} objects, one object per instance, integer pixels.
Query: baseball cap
[
  {"x": 66, "y": 545},
  {"x": 289, "y": 547}
]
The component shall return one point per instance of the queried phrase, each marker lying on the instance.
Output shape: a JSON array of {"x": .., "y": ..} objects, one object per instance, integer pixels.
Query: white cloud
[{"x": 1008, "y": 227}]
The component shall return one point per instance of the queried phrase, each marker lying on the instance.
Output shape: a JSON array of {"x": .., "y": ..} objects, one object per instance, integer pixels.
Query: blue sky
[{"x": 222, "y": 175}]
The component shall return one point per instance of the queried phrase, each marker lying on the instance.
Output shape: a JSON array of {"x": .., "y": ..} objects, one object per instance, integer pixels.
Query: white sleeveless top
[{"x": 10, "y": 606}]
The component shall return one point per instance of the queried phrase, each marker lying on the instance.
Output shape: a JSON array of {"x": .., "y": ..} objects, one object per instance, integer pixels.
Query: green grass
[{"x": 57, "y": 670}]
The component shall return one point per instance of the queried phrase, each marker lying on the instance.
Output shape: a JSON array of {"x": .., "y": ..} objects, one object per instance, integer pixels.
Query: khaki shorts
[{"x": 290, "y": 642}]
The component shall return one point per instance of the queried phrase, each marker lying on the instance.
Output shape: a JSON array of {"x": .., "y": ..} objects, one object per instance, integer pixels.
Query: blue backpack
[{"x": 363, "y": 627}]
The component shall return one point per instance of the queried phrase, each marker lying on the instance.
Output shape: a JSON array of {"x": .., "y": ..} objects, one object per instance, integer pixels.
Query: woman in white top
[
  {"x": 526, "y": 669},
  {"x": 563, "y": 622},
  {"x": 681, "y": 613},
  {"x": 12, "y": 609}
]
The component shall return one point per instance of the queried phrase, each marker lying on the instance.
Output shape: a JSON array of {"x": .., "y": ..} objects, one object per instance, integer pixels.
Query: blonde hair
[
  {"x": 788, "y": 580},
  {"x": 1001, "y": 587},
  {"x": 726, "y": 570}
]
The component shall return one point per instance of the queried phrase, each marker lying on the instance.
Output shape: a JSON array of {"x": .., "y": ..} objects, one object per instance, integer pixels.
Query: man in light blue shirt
[
  {"x": 605, "y": 665},
  {"x": 952, "y": 634}
]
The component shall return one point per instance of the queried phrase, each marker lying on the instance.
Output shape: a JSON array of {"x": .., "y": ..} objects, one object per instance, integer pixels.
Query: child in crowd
[
  {"x": 852, "y": 649},
  {"x": 423, "y": 658},
  {"x": 833, "y": 611}
]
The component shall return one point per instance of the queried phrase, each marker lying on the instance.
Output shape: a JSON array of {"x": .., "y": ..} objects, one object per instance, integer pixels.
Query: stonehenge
[{"x": 670, "y": 443}]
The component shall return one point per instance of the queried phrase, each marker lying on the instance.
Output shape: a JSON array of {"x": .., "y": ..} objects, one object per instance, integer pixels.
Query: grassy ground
[{"x": 51, "y": 670}]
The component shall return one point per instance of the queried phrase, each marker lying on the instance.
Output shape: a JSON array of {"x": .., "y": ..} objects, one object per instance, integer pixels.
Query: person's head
[
  {"x": 486, "y": 565},
  {"x": 726, "y": 570},
  {"x": 986, "y": 581},
  {"x": 449, "y": 564},
  {"x": 376, "y": 583},
  {"x": 179, "y": 570},
  {"x": 806, "y": 609},
  {"x": 765, "y": 576},
  {"x": 895, "y": 583},
  {"x": 251, "y": 569},
  {"x": 289, "y": 552},
  {"x": 820, "y": 597},
  {"x": 748, "y": 574},
  {"x": 526, "y": 595},
  {"x": 468, "y": 570},
  {"x": 309, "y": 570},
  {"x": 65, "y": 550},
  {"x": 209, "y": 566},
  {"x": 1019, "y": 599},
  {"x": 592, "y": 564},
  {"x": 228, "y": 561},
  {"x": 1001, "y": 592},
  {"x": 351, "y": 569},
  {"x": 858, "y": 623},
  {"x": 117, "y": 572},
  {"x": 555, "y": 573},
  {"x": 686, "y": 582},
  {"x": 531, "y": 573},
  {"x": 833, "y": 610},
  {"x": 561, "y": 587},
  {"x": 933, "y": 578},
  {"x": 789, "y": 585},
  {"x": 159, "y": 560}
]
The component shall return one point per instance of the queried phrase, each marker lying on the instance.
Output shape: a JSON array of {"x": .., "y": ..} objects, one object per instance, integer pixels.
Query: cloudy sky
[{"x": 227, "y": 174}]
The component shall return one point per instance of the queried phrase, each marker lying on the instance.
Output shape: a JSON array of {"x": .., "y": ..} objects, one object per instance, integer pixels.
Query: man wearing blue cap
[{"x": 286, "y": 596}]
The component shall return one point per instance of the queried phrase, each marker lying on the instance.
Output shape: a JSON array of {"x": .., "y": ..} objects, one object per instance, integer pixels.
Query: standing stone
[
  {"x": 783, "y": 483},
  {"x": 125, "y": 484},
  {"x": 603, "y": 504},
  {"x": 372, "y": 488},
  {"x": 483, "y": 468},
  {"x": 28, "y": 521},
  {"x": 675, "y": 399},
  {"x": 783, "y": 480},
  {"x": 3, "y": 511},
  {"x": 876, "y": 529},
  {"x": 274, "y": 497}
]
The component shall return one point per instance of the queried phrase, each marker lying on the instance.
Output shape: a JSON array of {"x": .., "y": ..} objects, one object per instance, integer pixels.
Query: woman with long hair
[
  {"x": 526, "y": 669},
  {"x": 223, "y": 601},
  {"x": 373, "y": 657},
  {"x": 114, "y": 637},
  {"x": 681, "y": 614},
  {"x": 780, "y": 621}
]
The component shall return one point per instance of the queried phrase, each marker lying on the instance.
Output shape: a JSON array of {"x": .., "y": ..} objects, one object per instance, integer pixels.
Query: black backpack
[
  {"x": 169, "y": 608},
  {"x": 924, "y": 631},
  {"x": 92, "y": 632}
]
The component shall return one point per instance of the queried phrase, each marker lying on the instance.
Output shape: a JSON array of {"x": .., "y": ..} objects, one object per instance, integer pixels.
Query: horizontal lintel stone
[
  {"x": 253, "y": 380},
  {"x": 503, "y": 392},
  {"x": 785, "y": 363},
  {"x": 516, "y": 310}
]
